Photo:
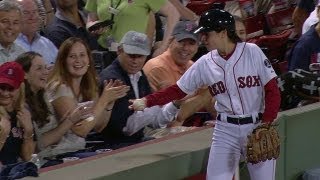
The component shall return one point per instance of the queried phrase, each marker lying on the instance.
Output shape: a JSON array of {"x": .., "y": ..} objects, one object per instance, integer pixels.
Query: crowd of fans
[{"x": 53, "y": 100}]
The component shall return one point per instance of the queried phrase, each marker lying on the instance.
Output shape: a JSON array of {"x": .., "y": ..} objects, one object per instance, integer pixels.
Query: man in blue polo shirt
[
  {"x": 30, "y": 39},
  {"x": 307, "y": 48}
]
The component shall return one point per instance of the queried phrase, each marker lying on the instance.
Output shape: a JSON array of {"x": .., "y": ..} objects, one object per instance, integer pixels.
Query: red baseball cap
[{"x": 12, "y": 74}]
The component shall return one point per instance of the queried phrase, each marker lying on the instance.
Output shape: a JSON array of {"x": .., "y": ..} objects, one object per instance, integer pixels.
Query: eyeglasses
[
  {"x": 5, "y": 87},
  {"x": 134, "y": 56}
]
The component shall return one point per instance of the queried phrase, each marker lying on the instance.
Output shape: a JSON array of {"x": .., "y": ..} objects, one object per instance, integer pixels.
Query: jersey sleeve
[
  {"x": 194, "y": 77},
  {"x": 265, "y": 69}
]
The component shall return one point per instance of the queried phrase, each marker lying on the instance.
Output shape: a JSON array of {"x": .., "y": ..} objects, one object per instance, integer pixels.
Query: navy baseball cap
[{"x": 215, "y": 20}]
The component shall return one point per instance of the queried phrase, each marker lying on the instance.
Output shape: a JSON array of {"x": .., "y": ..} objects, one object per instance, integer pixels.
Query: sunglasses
[{"x": 5, "y": 87}]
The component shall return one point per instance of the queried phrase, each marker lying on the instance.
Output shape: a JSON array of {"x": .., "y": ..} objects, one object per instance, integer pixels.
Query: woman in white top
[{"x": 74, "y": 80}]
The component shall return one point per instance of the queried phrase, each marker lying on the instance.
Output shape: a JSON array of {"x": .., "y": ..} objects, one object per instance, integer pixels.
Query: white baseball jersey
[{"x": 237, "y": 83}]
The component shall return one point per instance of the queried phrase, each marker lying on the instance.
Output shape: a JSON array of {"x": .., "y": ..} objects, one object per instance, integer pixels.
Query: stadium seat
[
  {"x": 254, "y": 26},
  {"x": 101, "y": 60},
  {"x": 275, "y": 43},
  {"x": 200, "y": 6},
  {"x": 280, "y": 20}
]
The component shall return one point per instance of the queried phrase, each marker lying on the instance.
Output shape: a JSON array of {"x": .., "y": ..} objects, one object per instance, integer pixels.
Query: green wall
[
  {"x": 300, "y": 135},
  {"x": 186, "y": 155}
]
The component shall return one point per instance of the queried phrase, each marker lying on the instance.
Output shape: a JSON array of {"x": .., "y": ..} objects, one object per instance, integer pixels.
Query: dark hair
[
  {"x": 232, "y": 35},
  {"x": 38, "y": 106},
  {"x": 218, "y": 5}
]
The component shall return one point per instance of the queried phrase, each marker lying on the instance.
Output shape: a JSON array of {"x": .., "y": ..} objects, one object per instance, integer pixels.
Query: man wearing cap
[
  {"x": 127, "y": 67},
  {"x": 16, "y": 135},
  {"x": 166, "y": 69}
]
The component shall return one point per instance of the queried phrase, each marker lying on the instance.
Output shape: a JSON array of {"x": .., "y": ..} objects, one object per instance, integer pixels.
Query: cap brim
[
  {"x": 8, "y": 82},
  {"x": 180, "y": 37},
  {"x": 135, "y": 50}
]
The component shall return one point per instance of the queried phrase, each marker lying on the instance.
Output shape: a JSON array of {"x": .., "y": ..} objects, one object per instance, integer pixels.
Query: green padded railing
[{"x": 185, "y": 155}]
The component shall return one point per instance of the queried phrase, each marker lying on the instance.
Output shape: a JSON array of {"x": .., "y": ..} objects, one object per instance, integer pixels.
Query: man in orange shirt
[{"x": 166, "y": 69}]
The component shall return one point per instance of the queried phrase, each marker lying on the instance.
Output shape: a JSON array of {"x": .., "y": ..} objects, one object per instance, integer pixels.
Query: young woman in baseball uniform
[{"x": 242, "y": 81}]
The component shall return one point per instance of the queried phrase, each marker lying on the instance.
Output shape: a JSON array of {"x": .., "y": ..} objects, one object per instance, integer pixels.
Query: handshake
[{"x": 138, "y": 104}]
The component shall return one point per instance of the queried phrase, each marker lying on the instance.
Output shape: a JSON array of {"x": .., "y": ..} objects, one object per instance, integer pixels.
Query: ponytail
[{"x": 232, "y": 35}]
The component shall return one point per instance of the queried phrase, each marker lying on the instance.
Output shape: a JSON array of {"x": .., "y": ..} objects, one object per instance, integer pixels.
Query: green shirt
[{"x": 133, "y": 15}]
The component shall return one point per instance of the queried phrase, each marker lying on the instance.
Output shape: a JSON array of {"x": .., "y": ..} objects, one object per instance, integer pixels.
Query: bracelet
[{"x": 29, "y": 137}]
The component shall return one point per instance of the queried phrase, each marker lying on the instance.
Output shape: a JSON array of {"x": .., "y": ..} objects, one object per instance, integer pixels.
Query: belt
[{"x": 241, "y": 120}]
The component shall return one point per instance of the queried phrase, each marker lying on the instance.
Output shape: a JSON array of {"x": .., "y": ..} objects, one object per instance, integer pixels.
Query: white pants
[{"x": 229, "y": 143}]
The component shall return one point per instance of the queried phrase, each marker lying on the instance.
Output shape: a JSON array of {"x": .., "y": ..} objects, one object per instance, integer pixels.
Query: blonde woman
[{"x": 73, "y": 81}]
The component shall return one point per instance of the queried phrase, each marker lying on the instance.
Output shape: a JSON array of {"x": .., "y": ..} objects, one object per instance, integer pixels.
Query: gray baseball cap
[
  {"x": 184, "y": 30},
  {"x": 135, "y": 43}
]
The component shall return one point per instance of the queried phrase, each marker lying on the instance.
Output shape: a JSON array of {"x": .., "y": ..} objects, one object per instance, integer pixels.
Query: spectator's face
[
  {"x": 10, "y": 27},
  {"x": 7, "y": 94},
  {"x": 241, "y": 30},
  {"x": 38, "y": 74},
  {"x": 30, "y": 18},
  {"x": 78, "y": 60},
  {"x": 182, "y": 51},
  {"x": 65, "y": 4},
  {"x": 131, "y": 63}
]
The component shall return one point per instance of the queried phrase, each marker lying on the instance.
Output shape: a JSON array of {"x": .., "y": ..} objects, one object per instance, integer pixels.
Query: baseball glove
[{"x": 263, "y": 144}]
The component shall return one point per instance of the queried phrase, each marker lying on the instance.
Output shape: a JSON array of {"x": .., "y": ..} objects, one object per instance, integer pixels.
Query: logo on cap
[
  {"x": 138, "y": 39},
  {"x": 189, "y": 27},
  {"x": 10, "y": 71}
]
